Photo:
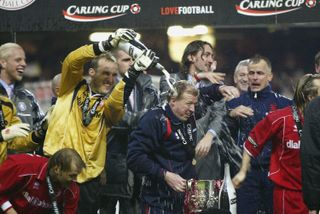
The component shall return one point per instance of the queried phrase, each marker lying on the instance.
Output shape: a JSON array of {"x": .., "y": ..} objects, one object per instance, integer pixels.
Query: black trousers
[{"x": 89, "y": 199}]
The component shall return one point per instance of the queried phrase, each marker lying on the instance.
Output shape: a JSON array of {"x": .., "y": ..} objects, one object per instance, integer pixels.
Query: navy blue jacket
[
  {"x": 262, "y": 103},
  {"x": 150, "y": 153}
]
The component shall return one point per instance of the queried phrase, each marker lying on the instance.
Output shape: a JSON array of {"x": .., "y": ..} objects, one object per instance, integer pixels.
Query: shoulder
[
  {"x": 153, "y": 118},
  {"x": 315, "y": 103},
  {"x": 312, "y": 108},
  {"x": 26, "y": 158},
  {"x": 153, "y": 114},
  {"x": 6, "y": 101},
  {"x": 26, "y": 164},
  {"x": 280, "y": 113},
  {"x": 73, "y": 190},
  {"x": 21, "y": 92},
  {"x": 282, "y": 98},
  {"x": 237, "y": 101}
]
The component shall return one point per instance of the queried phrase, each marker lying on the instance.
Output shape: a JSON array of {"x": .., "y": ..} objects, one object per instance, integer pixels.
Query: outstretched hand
[
  {"x": 229, "y": 92},
  {"x": 213, "y": 77}
]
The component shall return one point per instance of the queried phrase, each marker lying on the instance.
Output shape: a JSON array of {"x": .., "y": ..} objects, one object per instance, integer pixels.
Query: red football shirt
[
  {"x": 23, "y": 186},
  {"x": 279, "y": 127}
]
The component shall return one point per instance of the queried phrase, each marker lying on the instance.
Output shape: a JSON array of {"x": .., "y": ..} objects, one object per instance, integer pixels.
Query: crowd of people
[{"x": 117, "y": 139}]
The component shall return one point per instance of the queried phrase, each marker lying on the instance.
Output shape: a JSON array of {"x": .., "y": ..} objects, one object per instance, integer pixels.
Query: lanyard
[
  {"x": 87, "y": 113},
  {"x": 296, "y": 119},
  {"x": 2, "y": 121},
  {"x": 52, "y": 196},
  {"x": 183, "y": 134}
]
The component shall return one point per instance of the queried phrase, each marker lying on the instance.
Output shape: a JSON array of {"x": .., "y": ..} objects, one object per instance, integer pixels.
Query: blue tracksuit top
[
  {"x": 150, "y": 153},
  {"x": 262, "y": 103}
]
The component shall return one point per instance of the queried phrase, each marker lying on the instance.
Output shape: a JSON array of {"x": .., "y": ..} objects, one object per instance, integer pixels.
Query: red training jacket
[
  {"x": 279, "y": 127},
  {"x": 23, "y": 186}
]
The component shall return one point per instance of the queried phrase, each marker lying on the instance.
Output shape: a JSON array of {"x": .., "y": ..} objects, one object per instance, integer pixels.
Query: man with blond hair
[{"x": 13, "y": 65}]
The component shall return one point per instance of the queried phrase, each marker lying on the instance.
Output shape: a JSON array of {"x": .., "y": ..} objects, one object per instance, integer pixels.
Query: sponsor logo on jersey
[
  {"x": 268, "y": 7},
  {"x": 15, "y": 4},
  {"x": 186, "y": 10},
  {"x": 36, "y": 201},
  {"x": 95, "y": 13},
  {"x": 293, "y": 145}
]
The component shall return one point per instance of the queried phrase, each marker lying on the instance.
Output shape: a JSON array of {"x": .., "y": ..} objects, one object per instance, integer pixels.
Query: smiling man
[
  {"x": 85, "y": 112},
  {"x": 240, "y": 76},
  {"x": 245, "y": 112},
  {"x": 13, "y": 64}
]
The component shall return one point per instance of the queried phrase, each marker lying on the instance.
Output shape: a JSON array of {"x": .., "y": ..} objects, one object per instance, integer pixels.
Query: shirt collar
[
  {"x": 260, "y": 94},
  {"x": 8, "y": 88}
]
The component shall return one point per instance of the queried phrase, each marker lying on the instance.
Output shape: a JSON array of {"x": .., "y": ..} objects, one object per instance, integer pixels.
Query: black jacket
[
  {"x": 310, "y": 155},
  {"x": 120, "y": 180}
]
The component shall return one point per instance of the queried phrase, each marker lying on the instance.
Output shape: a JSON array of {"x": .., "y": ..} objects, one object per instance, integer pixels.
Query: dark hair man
[{"x": 310, "y": 155}]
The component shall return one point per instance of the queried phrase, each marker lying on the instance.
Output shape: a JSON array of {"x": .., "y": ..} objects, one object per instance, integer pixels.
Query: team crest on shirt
[
  {"x": 21, "y": 106},
  {"x": 36, "y": 185}
]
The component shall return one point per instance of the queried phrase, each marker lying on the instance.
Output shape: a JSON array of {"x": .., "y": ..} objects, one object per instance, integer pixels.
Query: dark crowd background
[{"x": 290, "y": 49}]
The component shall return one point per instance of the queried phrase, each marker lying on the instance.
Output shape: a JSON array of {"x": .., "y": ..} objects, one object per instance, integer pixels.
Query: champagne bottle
[{"x": 227, "y": 193}]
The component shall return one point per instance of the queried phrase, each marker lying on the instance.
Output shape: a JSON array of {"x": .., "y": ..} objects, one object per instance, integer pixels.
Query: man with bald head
[
  {"x": 245, "y": 112},
  {"x": 55, "y": 85}
]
